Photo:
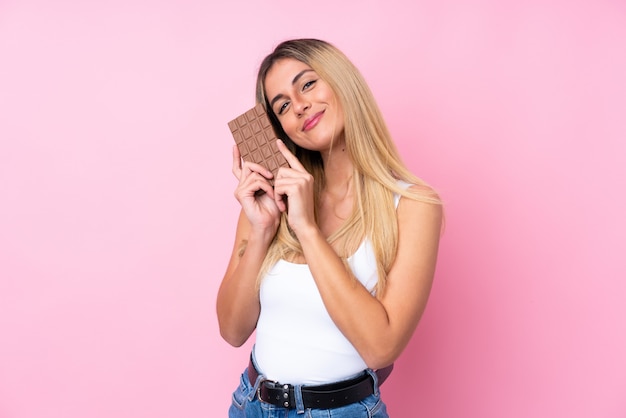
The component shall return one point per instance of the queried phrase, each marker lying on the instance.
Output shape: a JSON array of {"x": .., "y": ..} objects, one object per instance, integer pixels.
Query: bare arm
[
  {"x": 238, "y": 305},
  {"x": 381, "y": 328}
]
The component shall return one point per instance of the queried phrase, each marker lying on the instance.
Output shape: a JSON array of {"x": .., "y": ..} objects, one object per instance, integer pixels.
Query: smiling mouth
[{"x": 312, "y": 121}]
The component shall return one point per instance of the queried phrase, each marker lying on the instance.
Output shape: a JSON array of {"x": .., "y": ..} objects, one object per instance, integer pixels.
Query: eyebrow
[{"x": 294, "y": 81}]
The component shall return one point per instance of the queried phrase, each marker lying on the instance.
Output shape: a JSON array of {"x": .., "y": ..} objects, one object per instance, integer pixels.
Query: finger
[
  {"x": 291, "y": 159},
  {"x": 281, "y": 201},
  {"x": 262, "y": 186},
  {"x": 287, "y": 188},
  {"x": 255, "y": 182},
  {"x": 236, "y": 162},
  {"x": 257, "y": 168}
]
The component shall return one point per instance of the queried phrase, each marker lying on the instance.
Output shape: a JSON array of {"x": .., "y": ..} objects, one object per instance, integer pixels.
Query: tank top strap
[{"x": 396, "y": 196}]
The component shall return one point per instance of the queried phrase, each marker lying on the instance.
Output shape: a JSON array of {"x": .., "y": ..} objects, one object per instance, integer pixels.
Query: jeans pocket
[
  {"x": 375, "y": 406},
  {"x": 242, "y": 393}
]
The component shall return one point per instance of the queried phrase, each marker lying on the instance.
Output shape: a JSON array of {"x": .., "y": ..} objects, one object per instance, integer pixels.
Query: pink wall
[{"x": 116, "y": 207}]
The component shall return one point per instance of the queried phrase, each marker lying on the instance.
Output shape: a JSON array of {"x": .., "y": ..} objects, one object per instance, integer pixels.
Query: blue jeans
[{"x": 247, "y": 405}]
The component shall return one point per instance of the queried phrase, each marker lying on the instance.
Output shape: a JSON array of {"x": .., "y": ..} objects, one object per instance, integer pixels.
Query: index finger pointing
[{"x": 291, "y": 159}]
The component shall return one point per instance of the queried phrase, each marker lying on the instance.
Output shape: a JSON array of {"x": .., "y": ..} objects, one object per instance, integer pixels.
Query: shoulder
[
  {"x": 421, "y": 207},
  {"x": 416, "y": 190}
]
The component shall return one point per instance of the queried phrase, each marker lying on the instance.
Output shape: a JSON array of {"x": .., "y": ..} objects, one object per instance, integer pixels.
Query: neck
[{"x": 338, "y": 170}]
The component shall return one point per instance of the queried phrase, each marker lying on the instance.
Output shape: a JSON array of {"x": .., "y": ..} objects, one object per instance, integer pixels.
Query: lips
[{"x": 311, "y": 122}]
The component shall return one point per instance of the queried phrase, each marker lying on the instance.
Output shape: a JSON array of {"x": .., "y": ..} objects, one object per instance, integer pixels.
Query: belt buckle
[
  {"x": 258, "y": 389},
  {"x": 281, "y": 398}
]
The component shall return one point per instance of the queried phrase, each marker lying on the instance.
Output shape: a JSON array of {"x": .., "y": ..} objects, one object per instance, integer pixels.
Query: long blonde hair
[{"x": 377, "y": 164}]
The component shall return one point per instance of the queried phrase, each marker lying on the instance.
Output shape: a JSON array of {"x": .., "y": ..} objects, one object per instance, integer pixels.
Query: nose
[{"x": 300, "y": 105}]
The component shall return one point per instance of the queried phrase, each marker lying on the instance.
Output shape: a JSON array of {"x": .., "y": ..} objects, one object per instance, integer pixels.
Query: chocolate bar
[{"x": 256, "y": 139}]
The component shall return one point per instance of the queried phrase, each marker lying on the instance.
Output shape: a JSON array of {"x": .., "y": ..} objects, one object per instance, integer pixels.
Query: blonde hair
[{"x": 377, "y": 164}]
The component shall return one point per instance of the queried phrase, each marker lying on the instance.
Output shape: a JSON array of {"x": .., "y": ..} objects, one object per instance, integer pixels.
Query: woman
[{"x": 333, "y": 265}]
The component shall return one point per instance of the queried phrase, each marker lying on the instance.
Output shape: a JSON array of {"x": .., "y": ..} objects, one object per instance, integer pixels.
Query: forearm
[
  {"x": 360, "y": 316},
  {"x": 238, "y": 305}
]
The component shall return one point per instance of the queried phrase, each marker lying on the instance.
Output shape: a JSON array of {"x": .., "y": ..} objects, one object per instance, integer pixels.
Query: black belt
[{"x": 326, "y": 396}]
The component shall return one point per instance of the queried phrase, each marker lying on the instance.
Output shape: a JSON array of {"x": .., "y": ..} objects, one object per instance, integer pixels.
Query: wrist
[
  {"x": 262, "y": 235},
  {"x": 309, "y": 233}
]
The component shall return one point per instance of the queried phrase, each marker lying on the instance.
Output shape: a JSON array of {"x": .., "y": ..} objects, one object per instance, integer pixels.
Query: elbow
[
  {"x": 381, "y": 356},
  {"x": 234, "y": 329},
  {"x": 232, "y": 333},
  {"x": 233, "y": 338}
]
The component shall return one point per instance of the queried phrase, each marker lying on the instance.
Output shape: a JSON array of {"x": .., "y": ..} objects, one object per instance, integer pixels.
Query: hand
[
  {"x": 293, "y": 192},
  {"x": 255, "y": 193}
]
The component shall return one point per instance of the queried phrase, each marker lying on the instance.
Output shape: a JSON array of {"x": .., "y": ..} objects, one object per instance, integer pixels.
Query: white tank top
[{"x": 296, "y": 340}]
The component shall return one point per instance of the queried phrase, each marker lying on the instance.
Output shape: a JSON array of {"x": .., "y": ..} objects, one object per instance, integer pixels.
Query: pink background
[{"x": 117, "y": 213}]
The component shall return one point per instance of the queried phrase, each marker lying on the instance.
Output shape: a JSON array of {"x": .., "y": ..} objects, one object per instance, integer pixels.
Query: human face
[{"x": 305, "y": 105}]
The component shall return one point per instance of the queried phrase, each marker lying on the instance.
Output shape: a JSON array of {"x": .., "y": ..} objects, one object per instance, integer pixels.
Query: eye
[
  {"x": 308, "y": 84},
  {"x": 282, "y": 108}
]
